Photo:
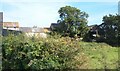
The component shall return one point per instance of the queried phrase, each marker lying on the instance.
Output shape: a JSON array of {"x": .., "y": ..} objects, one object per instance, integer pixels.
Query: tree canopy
[
  {"x": 72, "y": 21},
  {"x": 110, "y": 28}
]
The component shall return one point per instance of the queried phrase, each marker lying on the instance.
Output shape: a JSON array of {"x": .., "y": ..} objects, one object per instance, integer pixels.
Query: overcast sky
[{"x": 42, "y": 13}]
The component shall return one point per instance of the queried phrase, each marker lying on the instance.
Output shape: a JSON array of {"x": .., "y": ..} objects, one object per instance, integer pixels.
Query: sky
[{"x": 31, "y": 13}]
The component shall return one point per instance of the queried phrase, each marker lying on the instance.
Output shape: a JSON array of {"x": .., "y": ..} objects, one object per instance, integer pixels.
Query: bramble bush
[{"x": 21, "y": 52}]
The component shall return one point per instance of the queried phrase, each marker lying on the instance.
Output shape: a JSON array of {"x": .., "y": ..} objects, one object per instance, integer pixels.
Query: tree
[
  {"x": 72, "y": 21},
  {"x": 110, "y": 28}
]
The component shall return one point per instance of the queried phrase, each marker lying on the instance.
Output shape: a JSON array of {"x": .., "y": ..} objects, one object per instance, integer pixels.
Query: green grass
[{"x": 100, "y": 55}]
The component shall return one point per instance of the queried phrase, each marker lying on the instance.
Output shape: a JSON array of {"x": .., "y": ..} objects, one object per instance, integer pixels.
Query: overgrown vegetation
[
  {"x": 30, "y": 53},
  {"x": 56, "y": 52}
]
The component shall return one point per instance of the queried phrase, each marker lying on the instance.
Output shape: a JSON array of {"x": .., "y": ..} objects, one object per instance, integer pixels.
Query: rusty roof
[{"x": 11, "y": 24}]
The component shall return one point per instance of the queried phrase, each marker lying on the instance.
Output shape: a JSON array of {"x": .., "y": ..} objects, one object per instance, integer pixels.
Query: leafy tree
[
  {"x": 72, "y": 21},
  {"x": 110, "y": 28}
]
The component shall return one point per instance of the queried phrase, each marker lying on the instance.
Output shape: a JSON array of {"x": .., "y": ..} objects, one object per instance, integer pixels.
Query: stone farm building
[
  {"x": 34, "y": 31},
  {"x": 13, "y": 27}
]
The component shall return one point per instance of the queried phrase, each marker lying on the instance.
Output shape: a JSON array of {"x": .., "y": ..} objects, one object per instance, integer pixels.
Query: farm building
[
  {"x": 53, "y": 26},
  {"x": 34, "y": 31},
  {"x": 10, "y": 28},
  {"x": 11, "y": 25}
]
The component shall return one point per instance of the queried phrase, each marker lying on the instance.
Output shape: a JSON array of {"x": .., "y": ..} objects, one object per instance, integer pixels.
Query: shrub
[{"x": 21, "y": 52}]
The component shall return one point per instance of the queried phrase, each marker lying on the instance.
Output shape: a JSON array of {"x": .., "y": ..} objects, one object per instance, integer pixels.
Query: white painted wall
[
  {"x": 43, "y": 35},
  {"x": 11, "y": 28}
]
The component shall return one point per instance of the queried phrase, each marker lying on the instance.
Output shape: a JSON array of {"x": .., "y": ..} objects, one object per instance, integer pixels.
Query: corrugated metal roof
[
  {"x": 25, "y": 29},
  {"x": 31, "y": 29}
]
